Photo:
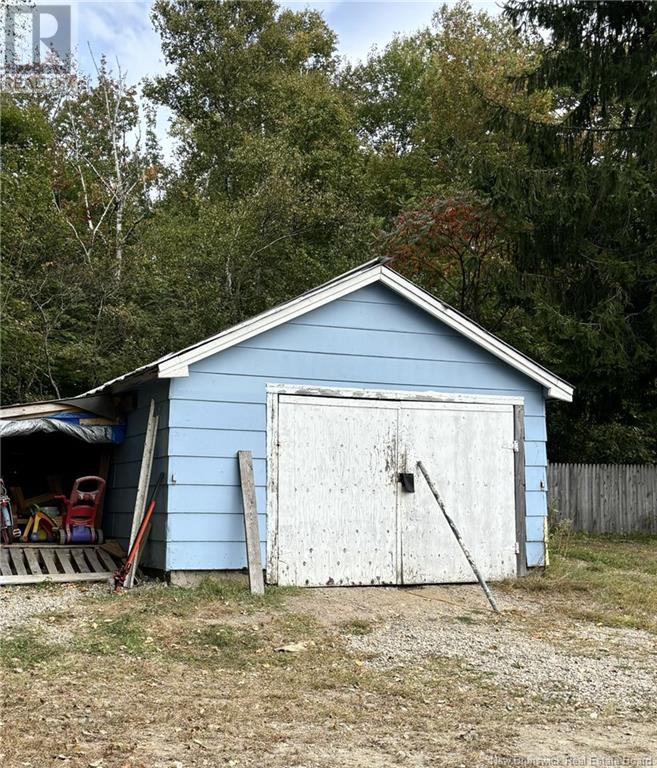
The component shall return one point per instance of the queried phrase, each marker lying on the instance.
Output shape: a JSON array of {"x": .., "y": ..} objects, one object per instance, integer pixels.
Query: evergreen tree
[{"x": 589, "y": 197}]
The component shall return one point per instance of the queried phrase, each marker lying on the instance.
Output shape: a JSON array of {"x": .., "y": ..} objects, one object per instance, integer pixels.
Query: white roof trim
[{"x": 177, "y": 364}]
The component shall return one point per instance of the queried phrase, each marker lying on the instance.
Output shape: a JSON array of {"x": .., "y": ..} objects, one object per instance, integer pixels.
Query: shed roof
[{"x": 177, "y": 363}]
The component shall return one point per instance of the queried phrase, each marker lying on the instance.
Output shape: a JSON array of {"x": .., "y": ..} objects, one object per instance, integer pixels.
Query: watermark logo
[{"x": 36, "y": 37}]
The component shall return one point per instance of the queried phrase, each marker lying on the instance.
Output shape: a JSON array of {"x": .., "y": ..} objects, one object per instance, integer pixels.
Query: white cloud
[{"x": 124, "y": 33}]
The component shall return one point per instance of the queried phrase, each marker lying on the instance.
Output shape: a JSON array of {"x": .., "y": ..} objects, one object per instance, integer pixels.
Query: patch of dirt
[
  {"x": 563, "y": 744},
  {"x": 380, "y": 678}
]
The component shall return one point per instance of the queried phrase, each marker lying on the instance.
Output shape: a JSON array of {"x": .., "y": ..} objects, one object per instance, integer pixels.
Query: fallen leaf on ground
[{"x": 292, "y": 647}]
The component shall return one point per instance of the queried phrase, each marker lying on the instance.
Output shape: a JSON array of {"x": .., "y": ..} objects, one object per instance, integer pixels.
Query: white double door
[{"x": 343, "y": 516}]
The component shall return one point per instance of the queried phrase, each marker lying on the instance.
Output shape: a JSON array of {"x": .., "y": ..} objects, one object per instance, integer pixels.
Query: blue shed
[{"x": 337, "y": 394}]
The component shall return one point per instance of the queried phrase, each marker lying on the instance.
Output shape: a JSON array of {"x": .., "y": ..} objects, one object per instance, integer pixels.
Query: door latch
[{"x": 407, "y": 479}]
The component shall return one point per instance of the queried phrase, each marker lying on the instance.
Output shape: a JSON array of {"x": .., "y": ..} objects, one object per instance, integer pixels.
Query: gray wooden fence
[{"x": 604, "y": 498}]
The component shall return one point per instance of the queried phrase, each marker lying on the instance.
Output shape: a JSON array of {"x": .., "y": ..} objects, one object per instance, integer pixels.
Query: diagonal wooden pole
[
  {"x": 142, "y": 485},
  {"x": 456, "y": 533}
]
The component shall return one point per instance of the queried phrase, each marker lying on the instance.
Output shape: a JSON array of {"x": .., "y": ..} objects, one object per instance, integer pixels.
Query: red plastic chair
[{"x": 80, "y": 510}]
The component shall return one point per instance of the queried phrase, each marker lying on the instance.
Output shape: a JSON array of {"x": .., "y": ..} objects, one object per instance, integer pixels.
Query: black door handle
[{"x": 407, "y": 479}]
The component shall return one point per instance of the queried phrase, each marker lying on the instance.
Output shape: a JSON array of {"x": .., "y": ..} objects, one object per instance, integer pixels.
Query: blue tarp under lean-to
[{"x": 69, "y": 423}]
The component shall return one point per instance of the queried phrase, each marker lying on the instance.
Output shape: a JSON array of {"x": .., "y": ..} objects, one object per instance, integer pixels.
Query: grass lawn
[
  {"x": 609, "y": 580},
  {"x": 162, "y": 677}
]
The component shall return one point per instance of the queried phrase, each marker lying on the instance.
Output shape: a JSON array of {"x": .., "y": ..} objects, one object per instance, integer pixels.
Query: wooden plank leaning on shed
[
  {"x": 142, "y": 485},
  {"x": 251, "y": 531},
  {"x": 521, "y": 504}
]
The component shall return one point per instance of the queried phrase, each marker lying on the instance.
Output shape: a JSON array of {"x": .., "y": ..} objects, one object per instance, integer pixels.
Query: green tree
[
  {"x": 427, "y": 106},
  {"x": 76, "y": 188},
  {"x": 270, "y": 189},
  {"x": 548, "y": 113},
  {"x": 589, "y": 196},
  {"x": 33, "y": 240}
]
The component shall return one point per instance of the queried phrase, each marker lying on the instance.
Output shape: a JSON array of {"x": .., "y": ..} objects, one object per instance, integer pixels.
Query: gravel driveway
[
  {"x": 356, "y": 677},
  {"x": 598, "y": 675},
  {"x": 19, "y": 605}
]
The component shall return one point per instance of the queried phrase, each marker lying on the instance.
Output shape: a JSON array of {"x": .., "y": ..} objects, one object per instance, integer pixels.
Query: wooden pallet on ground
[{"x": 34, "y": 563}]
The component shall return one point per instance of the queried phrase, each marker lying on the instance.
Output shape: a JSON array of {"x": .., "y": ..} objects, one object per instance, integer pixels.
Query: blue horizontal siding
[
  {"x": 196, "y": 470},
  {"x": 245, "y": 388},
  {"x": 126, "y": 474},
  {"x": 208, "y": 555},
  {"x": 215, "y": 527},
  {"x": 360, "y": 310},
  {"x": 384, "y": 372},
  {"x": 123, "y": 501},
  {"x": 379, "y": 294},
  {"x": 217, "y": 443},
  {"x": 535, "y": 528},
  {"x": 158, "y": 525},
  {"x": 535, "y": 454},
  {"x": 536, "y": 478},
  {"x": 372, "y": 339},
  {"x": 378, "y": 343},
  {"x": 210, "y": 499},
  {"x": 535, "y": 429},
  {"x": 194, "y": 413},
  {"x": 133, "y": 446},
  {"x": 536, "y": 502},
  {"x": 155, "y": 553},
  {"x": 535, "y": 553}
]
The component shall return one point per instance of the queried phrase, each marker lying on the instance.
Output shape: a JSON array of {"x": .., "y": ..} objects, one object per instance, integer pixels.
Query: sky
[{"x": 123, "y": 32}]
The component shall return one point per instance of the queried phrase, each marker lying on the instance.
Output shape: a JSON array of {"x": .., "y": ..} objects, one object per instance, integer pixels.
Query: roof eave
[
  {"x": 127, "y": 381},
  {"x": 561, "y": 393},
  {"x": 177, "y": 364},
  {"x": 98, "y": 404}
]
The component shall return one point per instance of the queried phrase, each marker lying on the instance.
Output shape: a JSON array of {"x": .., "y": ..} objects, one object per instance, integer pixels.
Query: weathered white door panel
[
  {"x": 468, "y": 452},
  {"x": 337, "y": 487}
]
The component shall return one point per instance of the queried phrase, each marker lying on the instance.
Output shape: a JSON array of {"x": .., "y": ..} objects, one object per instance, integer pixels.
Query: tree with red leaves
[{"x": 457, "y": 248}]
